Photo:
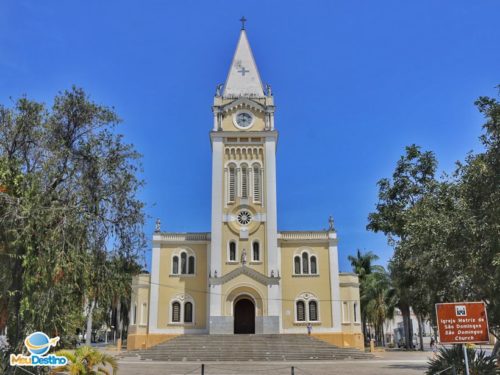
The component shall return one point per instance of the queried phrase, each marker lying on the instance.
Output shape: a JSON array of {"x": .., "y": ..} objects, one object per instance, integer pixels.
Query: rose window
[{"x": 244, "y": 217}]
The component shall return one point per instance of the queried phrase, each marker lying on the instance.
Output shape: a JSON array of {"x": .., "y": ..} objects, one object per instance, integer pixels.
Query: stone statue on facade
[
  {"x": 218, "y": 89},
  {"x": 158, "y": 226},
  {"x": 330, "y": 224},
  {"x": 269, "y": 90},
  {"x": 244, "y": 257}
]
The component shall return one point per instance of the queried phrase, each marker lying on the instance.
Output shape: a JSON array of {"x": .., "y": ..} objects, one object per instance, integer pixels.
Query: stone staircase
[{"x": 206, "y": 348}]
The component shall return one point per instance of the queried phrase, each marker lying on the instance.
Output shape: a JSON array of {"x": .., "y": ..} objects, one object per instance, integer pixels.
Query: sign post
[{"x": 462, "y": 323}]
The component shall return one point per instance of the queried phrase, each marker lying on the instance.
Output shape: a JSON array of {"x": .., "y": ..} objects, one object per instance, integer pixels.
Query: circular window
[{"x": 244, "y": 217}]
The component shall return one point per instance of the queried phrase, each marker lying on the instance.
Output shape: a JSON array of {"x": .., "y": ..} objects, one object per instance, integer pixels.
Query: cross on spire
[{"x": 243, "y": 20}]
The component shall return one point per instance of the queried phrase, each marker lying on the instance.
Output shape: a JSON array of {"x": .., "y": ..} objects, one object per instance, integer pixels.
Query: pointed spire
[{"x": 243, "y": 78}]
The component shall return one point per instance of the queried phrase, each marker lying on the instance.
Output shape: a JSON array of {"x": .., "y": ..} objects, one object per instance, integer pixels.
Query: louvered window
[
  {"x": 232, "y": 184},
  {"x": 256, "y": 184},
  {"x": 313, "y": 311},
  {"x": 244, "y": 181},
  {"x": 232, "y": 251},
  {"x": 297, "y": 265},
  {"x": 175, "y": 265},
  {"x": 301, "y": 311},
  {"x": 305, "y": 263},
  {"x": 191, "y": 265},
  {"x": 183, "y": 263},
  {"x": 188, "y": 312},
  {"x": 176, "y": 312},
  {"x": 314, "y": 269}
]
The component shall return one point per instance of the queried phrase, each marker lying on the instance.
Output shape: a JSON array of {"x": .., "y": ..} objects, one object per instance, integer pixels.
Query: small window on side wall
[
  {"x": 256, "y": 251},
  {"x": 183, "y": 263},
  {"x": 313, "y": 311},
  {"x": 305, "y": 263},
  {"x": 175, "y": 265},
  {"x": 188, "y": 312},
  {"x": 176, "y": 312},
  {"x": 232, "y": 251},
  {"x": 297, "y": 265},
  {"x": 314, "y": 267},
  {"x": 301, "y": 311},
  {"x": 191, "y": 265}
]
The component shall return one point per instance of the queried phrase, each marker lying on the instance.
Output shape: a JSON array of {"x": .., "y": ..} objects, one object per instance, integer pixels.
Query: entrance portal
[{"x": 244, "y": 316}]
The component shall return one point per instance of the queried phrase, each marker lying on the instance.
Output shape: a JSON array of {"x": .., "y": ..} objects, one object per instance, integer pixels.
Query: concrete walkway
[{"x": 394, "y": 363}]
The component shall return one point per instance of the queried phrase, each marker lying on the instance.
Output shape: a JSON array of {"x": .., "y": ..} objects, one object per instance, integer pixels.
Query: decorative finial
[
  {"x": 158, "y": 226},
  {"x": 243, "y": 20},
  {"x": 330, "y": 224}
]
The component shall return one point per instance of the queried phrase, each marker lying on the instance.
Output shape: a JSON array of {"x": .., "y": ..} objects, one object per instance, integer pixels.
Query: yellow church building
[{"x": 245, "y": 276}]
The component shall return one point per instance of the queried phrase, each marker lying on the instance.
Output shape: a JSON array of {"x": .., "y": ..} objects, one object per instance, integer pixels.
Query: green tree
[
  {"x": 68, "y": 204},
  {"x": 362, "y": 265},
  {"x": 413, "y": 178},
  {"x": 379, "y": 301}
]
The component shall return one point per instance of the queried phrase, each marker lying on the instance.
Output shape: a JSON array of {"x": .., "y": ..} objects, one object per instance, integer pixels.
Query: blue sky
[{"x": 354, "y": 82}]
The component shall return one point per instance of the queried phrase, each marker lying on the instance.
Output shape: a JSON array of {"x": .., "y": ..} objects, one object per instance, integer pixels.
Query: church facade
[{"x": 245, "y": 276}]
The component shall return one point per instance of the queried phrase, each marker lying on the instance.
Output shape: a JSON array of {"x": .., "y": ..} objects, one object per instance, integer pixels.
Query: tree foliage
[
  {"x": 446, "y": 232},
  {"x": 69, "y": 212}
]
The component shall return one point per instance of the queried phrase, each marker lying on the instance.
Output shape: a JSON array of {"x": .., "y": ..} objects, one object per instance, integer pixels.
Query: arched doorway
[{"x": 244, "y": 316}]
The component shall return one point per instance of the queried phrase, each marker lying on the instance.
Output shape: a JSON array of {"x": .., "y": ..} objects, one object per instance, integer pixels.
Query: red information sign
[{"x": 462, "y": 322}]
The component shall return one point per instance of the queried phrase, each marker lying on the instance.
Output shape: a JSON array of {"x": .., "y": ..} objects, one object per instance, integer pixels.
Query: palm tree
[
  {"x": 86, "y": 361},
  {"x": 379, "y": 300},
  {"x": 362, "y": 265}
]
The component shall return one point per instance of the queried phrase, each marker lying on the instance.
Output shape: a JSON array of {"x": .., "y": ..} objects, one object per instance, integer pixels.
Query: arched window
[
  {"x": 244, "y": 181},
  {"x": 232, "y": 251},
  {"x": 301, "y": 311},
  {"x": 183, "y": 263},
  {"x": 188, "y": 312},
  {"x": 297, "y": 265},
  {"x": 313, "y": 311},
  {"x": 232, "y": 183},
  {"x": 191, "y": 265},
  {"x": 314, "y": 268},
  {"x": 175, "y": 265},
  {"x": 305, "y": 263},
  {"x": 176, "y": 312},
  {"x": 256, "y": 183},
  {"x": 256, "y": 251}
]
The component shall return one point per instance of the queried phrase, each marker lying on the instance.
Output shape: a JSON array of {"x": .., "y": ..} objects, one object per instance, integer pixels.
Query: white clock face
[{"x": 243, "y": 120}]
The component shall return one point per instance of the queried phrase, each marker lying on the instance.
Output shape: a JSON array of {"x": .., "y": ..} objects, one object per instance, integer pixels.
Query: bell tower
[{"x": 243, "y": 223}]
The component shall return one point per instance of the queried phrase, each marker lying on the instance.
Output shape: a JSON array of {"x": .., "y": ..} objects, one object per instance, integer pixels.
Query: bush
[{"x": 479, "y": 362}]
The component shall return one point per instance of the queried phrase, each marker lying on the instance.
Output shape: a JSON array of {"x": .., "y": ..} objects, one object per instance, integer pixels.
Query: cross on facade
[
  {"x": 243, "y": 71},
  {"x": 243, "y": 20}
]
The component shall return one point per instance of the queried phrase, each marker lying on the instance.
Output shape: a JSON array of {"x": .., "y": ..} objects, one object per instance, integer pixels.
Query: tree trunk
[
  {"x": 405, "y": 311},
  {"x": 420, "y": 333},
  {"x": 496, "y": 349},
  {"x": 119, "y": 321},
  {"x": 365, "y": 333},
  {"x": 88, "y": 332}
]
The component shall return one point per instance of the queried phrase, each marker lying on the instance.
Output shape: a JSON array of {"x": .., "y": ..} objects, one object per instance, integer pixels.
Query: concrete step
[{"x": 208, "y": 348}]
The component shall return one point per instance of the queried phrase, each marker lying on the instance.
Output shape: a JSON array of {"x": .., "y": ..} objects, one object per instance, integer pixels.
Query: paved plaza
[{"x": 397, "y": 363}]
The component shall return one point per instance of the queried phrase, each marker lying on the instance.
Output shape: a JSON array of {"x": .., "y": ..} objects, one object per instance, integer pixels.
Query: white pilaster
[
  {"x": 154, "y": 285},
  {"x": 216, "y": 238},
  {"x": 334, "y": 281},
  {"x": 274, "y": 295}
]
